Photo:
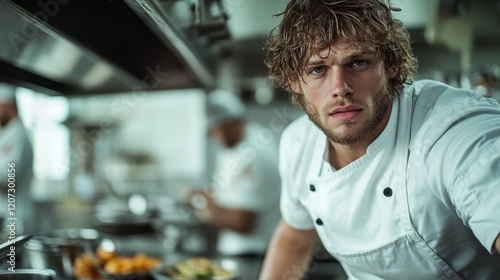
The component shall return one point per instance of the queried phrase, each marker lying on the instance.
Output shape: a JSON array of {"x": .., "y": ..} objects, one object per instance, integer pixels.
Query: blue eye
[
  {"x": 317, "y": 70},
  {"x": 358, "y": 63}
]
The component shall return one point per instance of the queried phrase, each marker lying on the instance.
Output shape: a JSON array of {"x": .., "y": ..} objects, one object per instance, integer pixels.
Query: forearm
[
  {"x": 238, "y": 220},
  {"x": 209, "y": 212},
  {"x": 289, "y": 254}
]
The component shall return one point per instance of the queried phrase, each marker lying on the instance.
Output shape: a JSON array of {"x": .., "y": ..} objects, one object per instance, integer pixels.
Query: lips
[{"x": 346, "y": 113}]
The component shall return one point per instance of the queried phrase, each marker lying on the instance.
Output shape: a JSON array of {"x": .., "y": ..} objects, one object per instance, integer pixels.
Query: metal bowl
[
  {"x": 162, "y": 272},
  {"x": 28, "y": 274}
]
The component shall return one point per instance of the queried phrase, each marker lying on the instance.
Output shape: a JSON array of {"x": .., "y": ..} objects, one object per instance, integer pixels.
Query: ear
[{"x": 392, "y": 71}]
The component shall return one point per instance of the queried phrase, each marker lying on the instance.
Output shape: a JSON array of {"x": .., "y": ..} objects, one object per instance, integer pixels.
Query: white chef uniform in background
[
  {"x": 15, "y": 147},
  {"x": 252, "y": 183},
  {"x": 245, "y": 177}
]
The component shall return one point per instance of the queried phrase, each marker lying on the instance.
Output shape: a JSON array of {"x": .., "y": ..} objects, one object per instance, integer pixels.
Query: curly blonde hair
[{"x": 310, "y": 26}]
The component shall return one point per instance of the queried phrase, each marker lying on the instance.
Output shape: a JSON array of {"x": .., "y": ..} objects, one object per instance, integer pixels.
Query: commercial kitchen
[{"x": 113, "y": 95}]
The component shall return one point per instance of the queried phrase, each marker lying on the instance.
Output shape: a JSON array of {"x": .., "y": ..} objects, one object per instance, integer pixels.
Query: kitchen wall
[
  {"x": 79, "y": 142},
  {"x": 152, "y": 144},
  {"x": 159, "y": 137}
]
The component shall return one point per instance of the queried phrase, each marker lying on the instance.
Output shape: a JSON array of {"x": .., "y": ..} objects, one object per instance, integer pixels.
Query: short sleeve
[
  {"x": 465, "y": 163},
  {"x": 292, "y": 210},
  {"x": 483, "y": 183}
]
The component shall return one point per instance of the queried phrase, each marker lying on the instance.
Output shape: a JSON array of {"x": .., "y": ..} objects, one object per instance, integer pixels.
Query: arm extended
[
  {"x": 289, "y": 253},
  {"x": 238, "y": 220}
]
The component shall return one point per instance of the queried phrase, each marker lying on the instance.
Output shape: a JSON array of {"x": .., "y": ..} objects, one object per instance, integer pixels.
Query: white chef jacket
[
  {"x": 16, "y": 147},
  {"x": 246, "y": 177},
  {"x": 422, "y": 203}
]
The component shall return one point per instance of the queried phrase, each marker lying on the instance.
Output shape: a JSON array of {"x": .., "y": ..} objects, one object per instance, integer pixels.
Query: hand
[
  {"x": 209, "y": 212},
  {"x": 205, "y": 206},
  {"x": 198, "y": 200}
]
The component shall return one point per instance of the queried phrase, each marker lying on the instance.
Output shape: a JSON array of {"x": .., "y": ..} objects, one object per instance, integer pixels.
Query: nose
[{"x": 340, "y": 86}]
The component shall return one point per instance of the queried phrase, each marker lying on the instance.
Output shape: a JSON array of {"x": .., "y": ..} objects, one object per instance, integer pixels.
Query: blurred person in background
[
  {"x": 15, "y": 147},
  {"x": 243, "y": 203}
]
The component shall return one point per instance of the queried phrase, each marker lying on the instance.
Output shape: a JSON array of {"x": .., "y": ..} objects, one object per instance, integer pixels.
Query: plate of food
[
  {"x": 198, "y": 268},
  {"x": 109, "y": 265}
]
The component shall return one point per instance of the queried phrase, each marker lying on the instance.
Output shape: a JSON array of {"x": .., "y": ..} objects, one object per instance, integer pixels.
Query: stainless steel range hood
[{"x": 73, "y": 47}]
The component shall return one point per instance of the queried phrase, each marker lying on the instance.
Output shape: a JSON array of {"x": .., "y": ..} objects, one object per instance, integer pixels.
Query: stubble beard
[{"x": 356, "y": 133}]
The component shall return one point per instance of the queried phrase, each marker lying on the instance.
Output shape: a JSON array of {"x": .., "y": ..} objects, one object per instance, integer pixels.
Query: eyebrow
[{"x": 351, "y": 57}]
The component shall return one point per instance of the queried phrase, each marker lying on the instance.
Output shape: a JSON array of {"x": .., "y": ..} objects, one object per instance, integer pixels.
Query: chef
[
  {"x": 15, "y": 148},
  {"x": 399, "y": 179},
  {"x": 244, "y": 199}
]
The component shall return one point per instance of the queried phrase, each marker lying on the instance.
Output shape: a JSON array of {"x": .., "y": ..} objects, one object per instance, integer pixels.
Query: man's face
[
  {"x": 346, "y": 92},
  {"x": 228, "y": 133},
  {"x": 217, "y": 133}
]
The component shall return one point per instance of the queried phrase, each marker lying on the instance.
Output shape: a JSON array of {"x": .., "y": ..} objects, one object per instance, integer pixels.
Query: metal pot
[
  {"x": 28, "y": 274},
  {"x": 59, "y": 251},
  {"x": 53, "y": 253}
]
